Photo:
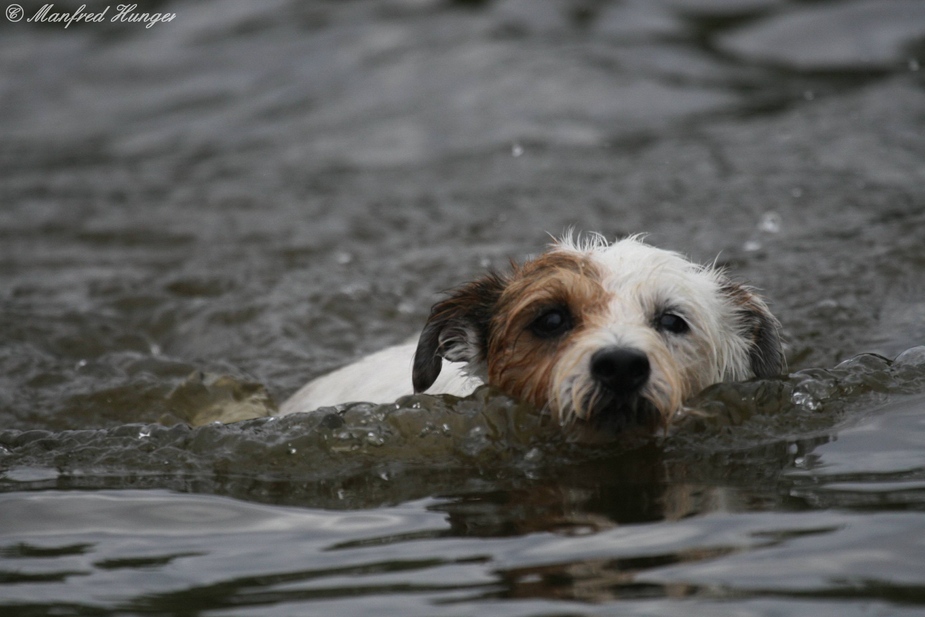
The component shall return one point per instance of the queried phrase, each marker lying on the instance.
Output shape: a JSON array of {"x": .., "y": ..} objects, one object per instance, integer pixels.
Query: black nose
[{"x": 620, "y": 370}]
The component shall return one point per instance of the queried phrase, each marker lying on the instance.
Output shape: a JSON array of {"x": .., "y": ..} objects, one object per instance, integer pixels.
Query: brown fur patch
[{"x": 519, "y": 362}]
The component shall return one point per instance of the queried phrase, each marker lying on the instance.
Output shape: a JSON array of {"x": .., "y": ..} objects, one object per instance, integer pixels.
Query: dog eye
[
  {"x": 669, "y": 322},
  {"x": 551, "y": 323}
]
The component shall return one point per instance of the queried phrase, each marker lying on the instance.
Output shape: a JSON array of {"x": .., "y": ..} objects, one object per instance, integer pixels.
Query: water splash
[{"x": 362, "y": 453}]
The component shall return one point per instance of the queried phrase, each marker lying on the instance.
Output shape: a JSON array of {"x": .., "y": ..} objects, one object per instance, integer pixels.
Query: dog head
[{"x": 604, "y": 334}]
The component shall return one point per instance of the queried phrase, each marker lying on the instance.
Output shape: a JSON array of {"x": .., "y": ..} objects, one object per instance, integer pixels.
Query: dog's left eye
[
  {"x": 669, "y": 322},
  {"x": 551, "y": 323}
]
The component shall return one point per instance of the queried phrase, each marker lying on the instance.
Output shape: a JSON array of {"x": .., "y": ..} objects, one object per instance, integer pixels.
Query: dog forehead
[
  {"x": 639, "y": 279},
  {"x": 630, "y": 262}
]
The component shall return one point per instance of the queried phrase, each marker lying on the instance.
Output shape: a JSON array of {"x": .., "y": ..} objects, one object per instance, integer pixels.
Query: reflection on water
[
  {"x": 660, "y": 523},
  {"x": 752, "y": 497},
  {"x": 199, "y": 216}
]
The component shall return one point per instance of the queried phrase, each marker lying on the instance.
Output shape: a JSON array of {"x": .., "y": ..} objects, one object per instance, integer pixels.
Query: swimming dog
[{"x": 592, "y": 332}]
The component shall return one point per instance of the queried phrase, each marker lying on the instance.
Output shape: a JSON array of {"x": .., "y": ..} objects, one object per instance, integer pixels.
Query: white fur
[
  {"x": 642, "y": 277},
  {"x": 642, "y": 280},
  {"x": 381, "y": 377}
]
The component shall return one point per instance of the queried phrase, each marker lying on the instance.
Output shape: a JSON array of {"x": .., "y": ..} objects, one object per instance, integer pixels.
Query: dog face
[{"x": 603, "y": 334}]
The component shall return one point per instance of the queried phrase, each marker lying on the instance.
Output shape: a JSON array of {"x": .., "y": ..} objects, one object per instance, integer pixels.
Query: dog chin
[{"x": 610, "y": 413}]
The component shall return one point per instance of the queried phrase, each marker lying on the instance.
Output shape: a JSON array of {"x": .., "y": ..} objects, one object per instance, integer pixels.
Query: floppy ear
[
  {"x": 760, "y": 328},
  {"x": 457, "y": 329}
]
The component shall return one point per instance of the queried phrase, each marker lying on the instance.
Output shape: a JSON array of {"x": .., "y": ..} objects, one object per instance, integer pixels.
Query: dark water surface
[{"x": 197, "y": 217}]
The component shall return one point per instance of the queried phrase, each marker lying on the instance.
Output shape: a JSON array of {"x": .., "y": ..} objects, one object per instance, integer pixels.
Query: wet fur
[
  {"x": 614, "y": 294},
  {"x": 614, "y": 300}
]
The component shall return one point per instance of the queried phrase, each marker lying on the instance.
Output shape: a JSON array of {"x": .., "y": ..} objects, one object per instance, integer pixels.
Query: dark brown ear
[
  {"x": 457, "y": 329},
  {"x": 760, "y": 327}
]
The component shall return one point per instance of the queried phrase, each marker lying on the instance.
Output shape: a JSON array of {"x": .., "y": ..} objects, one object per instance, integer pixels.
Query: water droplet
[
  {"x": 373, "y": 439},
  {"x": 751, "y": 246},
  {"x": 914, "y": 64},
  {"x": 770, "y": 223},
  {"x": 809, "y": 95},
  {"x": 144, "y": 433},
  {"x": 354, "y": 289},
  {"x": 292, "y": 450},
  {"x": 805, "y": 400},
  {"x": 80, "y": 364},
  {"x": 343, "y": 258},
  {"x": 517, "y": 150},
  {"x": 341, "y": 494},
  {"x": 796, "y": 192}
]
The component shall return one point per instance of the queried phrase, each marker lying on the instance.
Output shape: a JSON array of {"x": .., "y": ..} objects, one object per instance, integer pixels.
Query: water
[{"x": 199, "y": 216}]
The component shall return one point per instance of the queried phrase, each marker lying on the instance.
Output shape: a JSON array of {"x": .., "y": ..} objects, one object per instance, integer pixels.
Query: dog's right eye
[
  {"x": 669, "y": 322},
  {"x": 551, "y": 323}
]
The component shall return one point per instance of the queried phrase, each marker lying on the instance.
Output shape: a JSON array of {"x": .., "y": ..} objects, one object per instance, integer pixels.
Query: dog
[{"x": 594, "y": 333}]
